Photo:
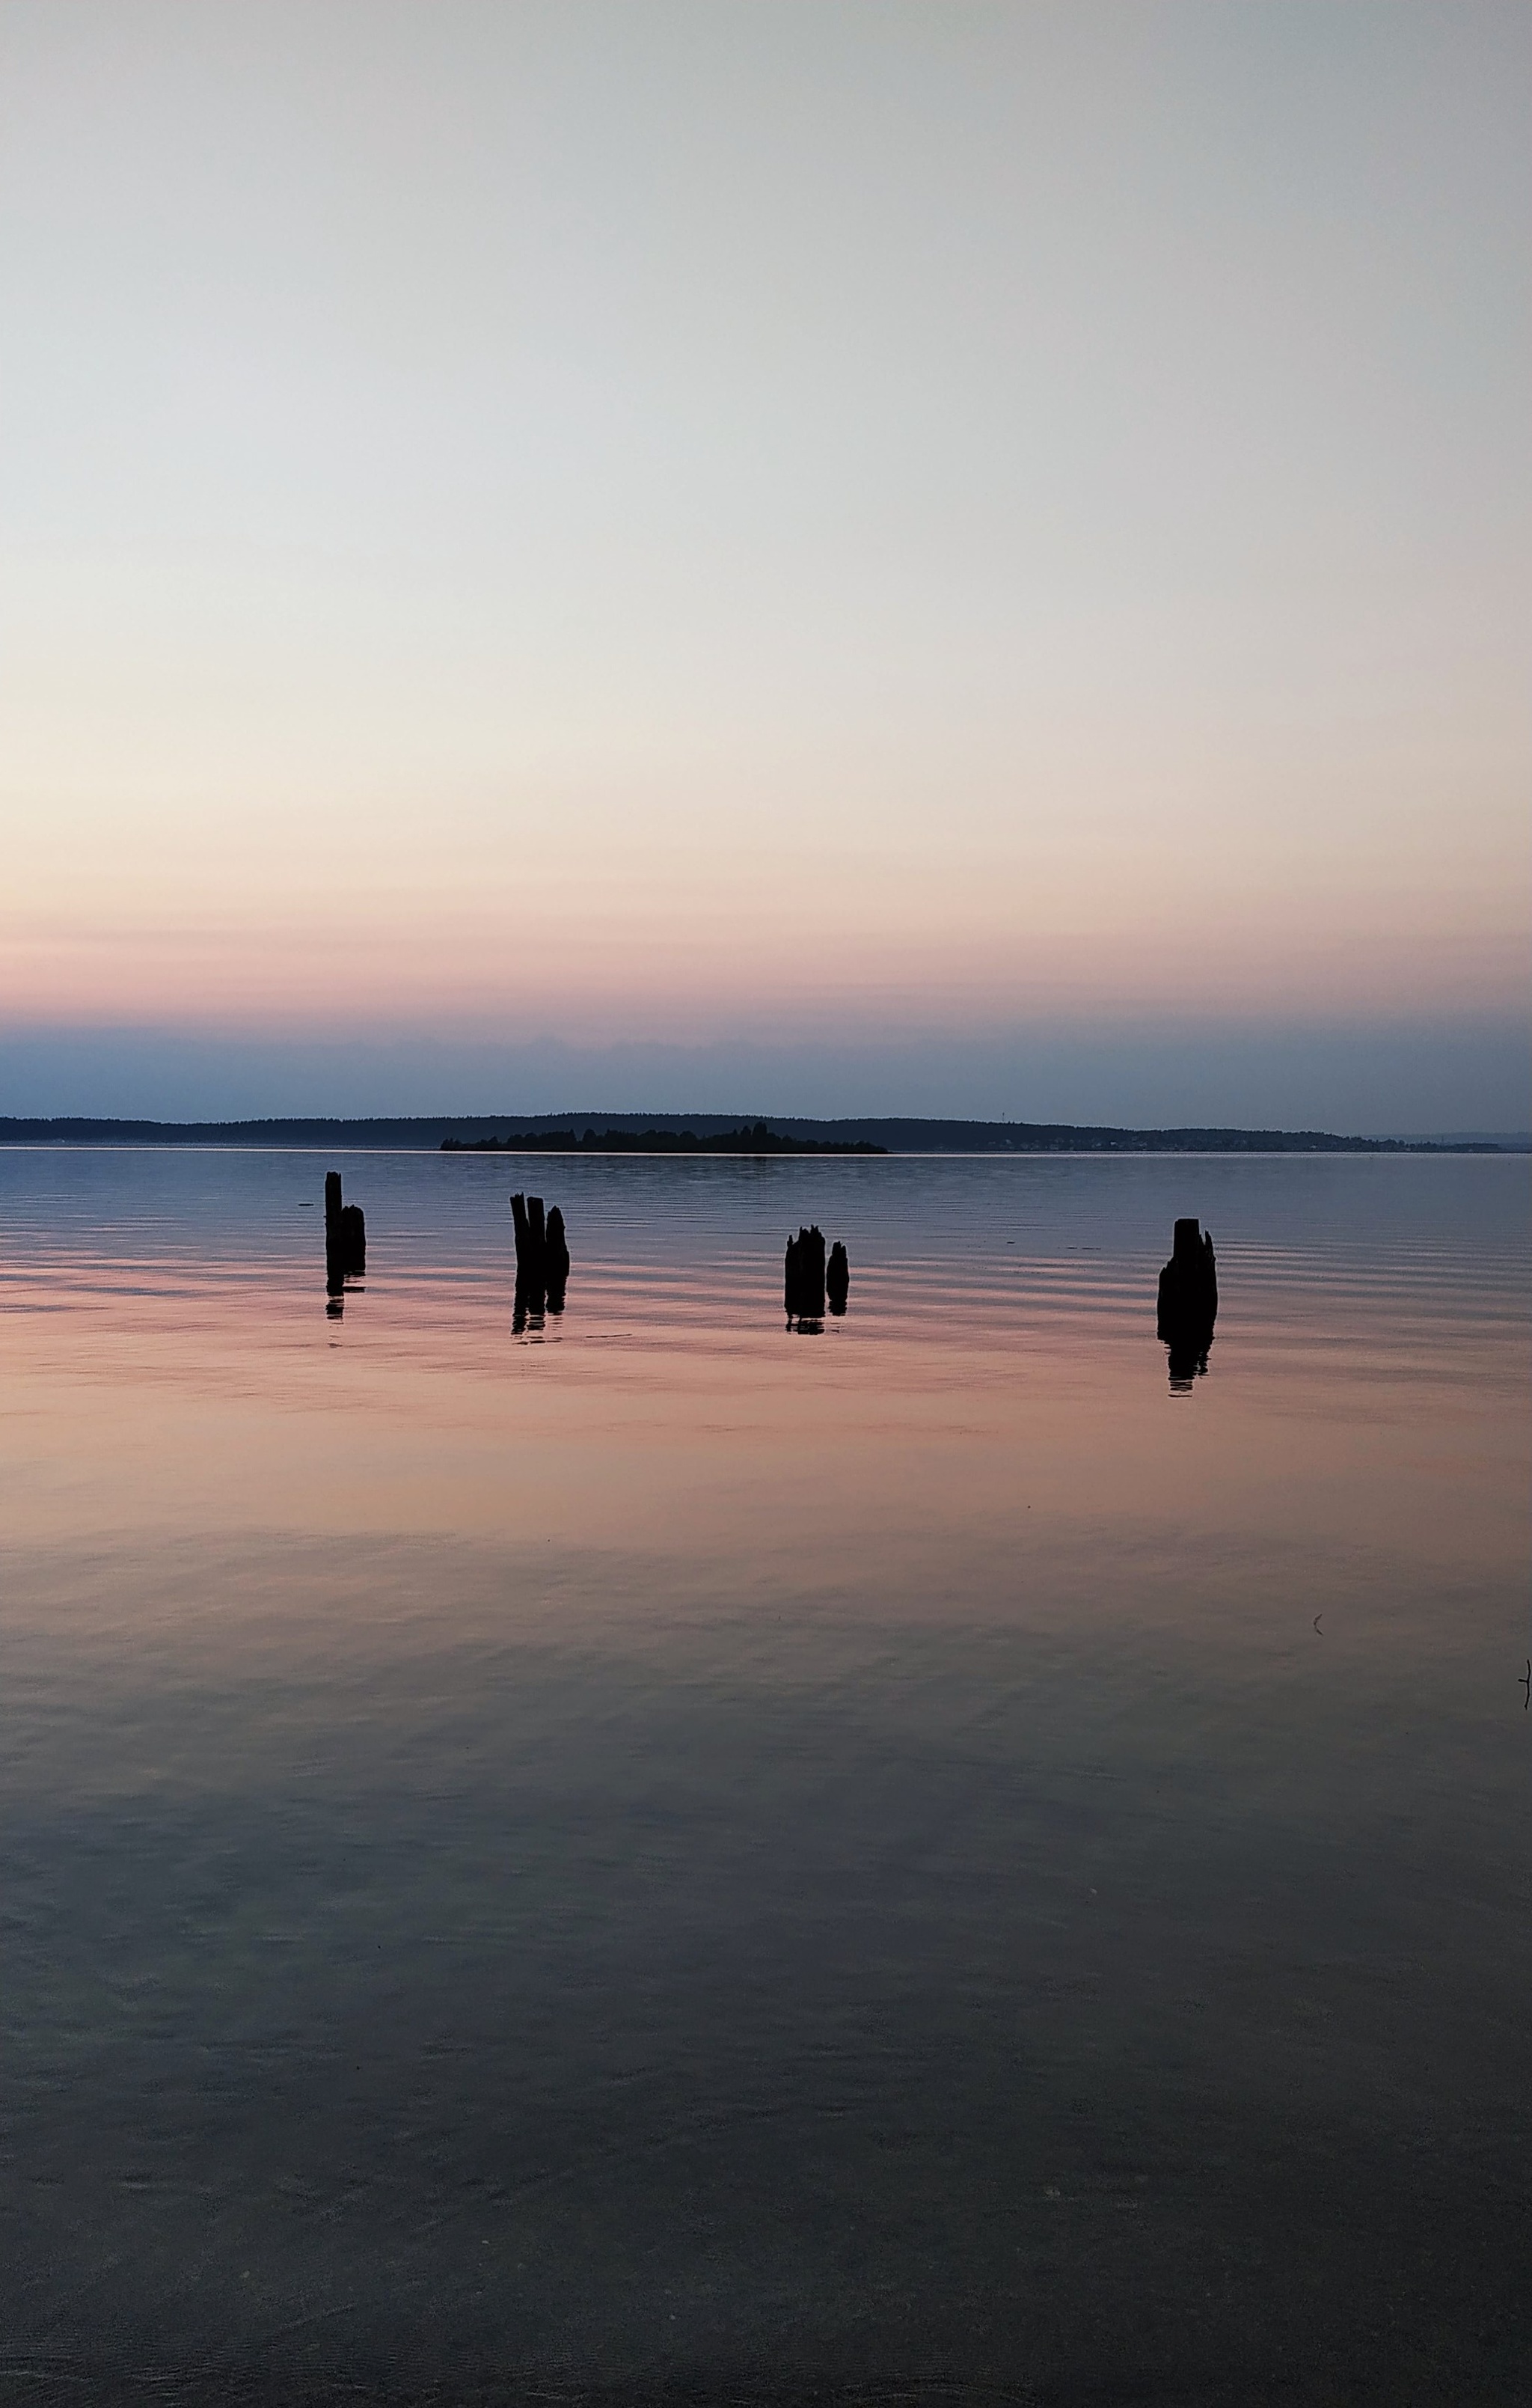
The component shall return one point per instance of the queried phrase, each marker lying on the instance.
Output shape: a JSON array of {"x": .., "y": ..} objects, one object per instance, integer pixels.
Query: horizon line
[{"x": 1001, "y": 1134}]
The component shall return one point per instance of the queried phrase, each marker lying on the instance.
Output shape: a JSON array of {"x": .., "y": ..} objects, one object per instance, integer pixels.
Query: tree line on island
[{"x": 756, "y": 1140}]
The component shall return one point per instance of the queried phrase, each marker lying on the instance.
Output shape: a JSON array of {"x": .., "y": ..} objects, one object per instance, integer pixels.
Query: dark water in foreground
[{"x": 670, "y": 1859}]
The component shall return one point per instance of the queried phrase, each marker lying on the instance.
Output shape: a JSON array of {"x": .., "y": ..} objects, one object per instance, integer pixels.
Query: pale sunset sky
[{"x": 789, "y": 558}]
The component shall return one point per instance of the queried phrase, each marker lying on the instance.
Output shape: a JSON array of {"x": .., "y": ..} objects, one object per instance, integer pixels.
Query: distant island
[
  {"x": 713, "y": 1133},
  {"x": 759, "y": 1139}
]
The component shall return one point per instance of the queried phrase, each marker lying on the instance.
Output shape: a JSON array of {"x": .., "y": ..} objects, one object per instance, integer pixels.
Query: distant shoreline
[{"x": 688, "y": 1136}]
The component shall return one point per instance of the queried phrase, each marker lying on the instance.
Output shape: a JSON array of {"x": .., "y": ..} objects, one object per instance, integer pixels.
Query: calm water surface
[{"x": 667, "y": 1858}]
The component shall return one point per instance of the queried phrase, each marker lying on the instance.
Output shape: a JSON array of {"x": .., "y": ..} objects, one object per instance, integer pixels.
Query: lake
[{"x": 666, "y": 1857}]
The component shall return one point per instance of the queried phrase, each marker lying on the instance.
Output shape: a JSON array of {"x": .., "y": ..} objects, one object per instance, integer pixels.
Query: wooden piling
[
  {"x": 345, "y": 1236},
  {"x": 803, "y": 1275},
  {"x": 1187, "y": 1304},
  {"x": 838, "y": 1278}
]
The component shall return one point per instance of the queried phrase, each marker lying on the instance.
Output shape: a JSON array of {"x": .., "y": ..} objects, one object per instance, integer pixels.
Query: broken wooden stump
[
  {"x": 556, "y": 1258},
  {"x": 1187, "y": 1307},
  {"x": 1189, "y": 1282},
  {"x": 803, "y": 1276},
  {"x": 838, "y": 1278},
  {"x": 345, "y": 1237}
]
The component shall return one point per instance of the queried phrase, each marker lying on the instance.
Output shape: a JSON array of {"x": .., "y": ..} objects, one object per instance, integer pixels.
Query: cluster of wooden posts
[
  {"x": 809, "y": 1282},
  {"x": 542, "y": 1258},
  {"x": 1186, "y": 1310}
]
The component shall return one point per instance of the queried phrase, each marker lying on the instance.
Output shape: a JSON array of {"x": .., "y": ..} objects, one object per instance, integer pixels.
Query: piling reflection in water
[
  {"x": 532, "y": 1306},
  {"x": 1187, "y": 1364}
]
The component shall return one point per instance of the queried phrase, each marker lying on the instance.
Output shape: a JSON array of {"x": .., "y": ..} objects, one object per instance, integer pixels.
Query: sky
[{"x": 800, "y": 558}]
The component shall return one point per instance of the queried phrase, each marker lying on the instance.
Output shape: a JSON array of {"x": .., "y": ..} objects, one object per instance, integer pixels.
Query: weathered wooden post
[
  {"x": 838, "y": 1278},
  {"x": 345, "y": 1237},
  {"x": 803, "y": 1275},
  {"x": 531, "y": 1235},
  {"x": 523, "y": 1234},
  {"x": 556, "y": 1258},
  {"x": 334, "y": 1274},
  {"x": 1187, "y": 1305}
]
